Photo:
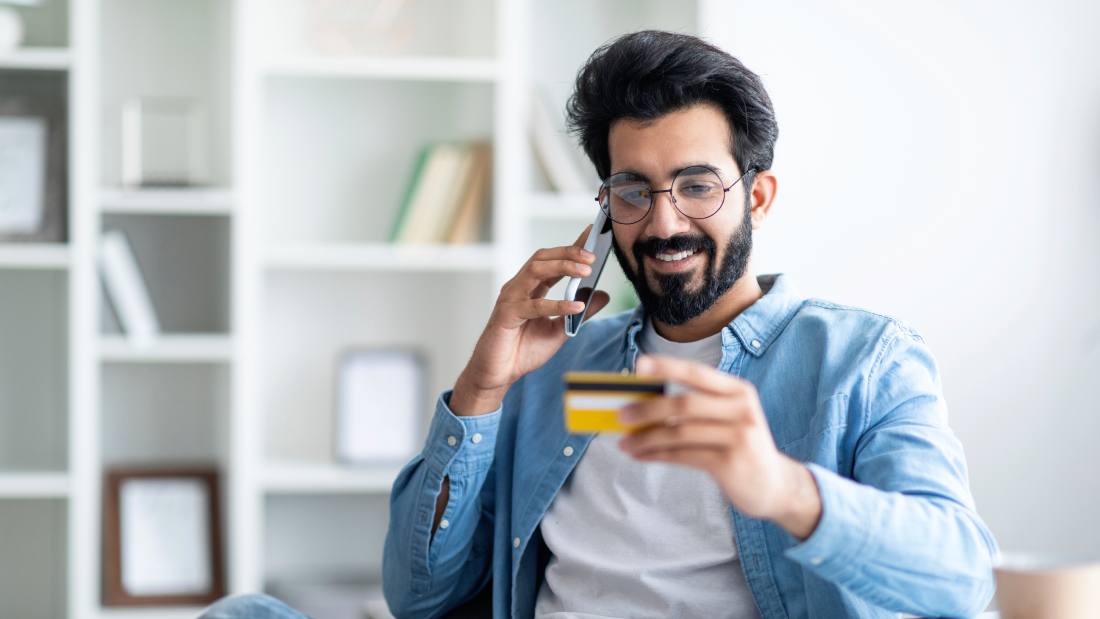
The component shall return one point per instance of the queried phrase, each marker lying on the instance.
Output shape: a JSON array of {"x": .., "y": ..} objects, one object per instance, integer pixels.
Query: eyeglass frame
[{"x": 653, "y": 194}]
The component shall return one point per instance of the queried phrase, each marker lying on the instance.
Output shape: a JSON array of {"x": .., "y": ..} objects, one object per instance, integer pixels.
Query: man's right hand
[{"x": 525, "y": 329}]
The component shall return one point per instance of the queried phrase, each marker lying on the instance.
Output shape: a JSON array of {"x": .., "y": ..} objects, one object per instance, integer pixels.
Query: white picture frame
[
  {"x": 380, "y": 406},
  {"x": 23, "y": 144}
]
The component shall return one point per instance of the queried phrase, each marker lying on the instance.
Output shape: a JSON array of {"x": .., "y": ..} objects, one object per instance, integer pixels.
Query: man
[{"x": 807, "y": 470}]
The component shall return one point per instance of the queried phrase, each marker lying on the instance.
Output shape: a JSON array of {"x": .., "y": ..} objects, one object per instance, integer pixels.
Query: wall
[{"x": 938, "y": 162}]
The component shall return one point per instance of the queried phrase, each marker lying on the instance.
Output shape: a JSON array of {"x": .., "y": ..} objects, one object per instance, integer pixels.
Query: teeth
[{"x": 674, "y": 257}]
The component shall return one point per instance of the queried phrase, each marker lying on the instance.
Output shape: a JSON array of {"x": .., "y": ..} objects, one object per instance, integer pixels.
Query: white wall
[{"x": 938, "y": 162}]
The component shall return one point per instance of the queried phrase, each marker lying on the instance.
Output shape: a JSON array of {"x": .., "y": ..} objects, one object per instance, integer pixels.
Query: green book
[{"x": 410, "y": 190}]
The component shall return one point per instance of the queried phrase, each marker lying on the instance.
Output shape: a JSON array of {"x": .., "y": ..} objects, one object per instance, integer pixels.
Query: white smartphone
[{"x": 581, "y": 288}]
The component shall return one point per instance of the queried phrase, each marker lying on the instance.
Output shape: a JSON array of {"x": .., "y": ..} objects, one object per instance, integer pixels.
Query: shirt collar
[{"x": 755, "y": 328}]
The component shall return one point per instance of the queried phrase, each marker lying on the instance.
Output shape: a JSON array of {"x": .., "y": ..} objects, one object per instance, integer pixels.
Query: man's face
[{"x": 674, "y": 292}]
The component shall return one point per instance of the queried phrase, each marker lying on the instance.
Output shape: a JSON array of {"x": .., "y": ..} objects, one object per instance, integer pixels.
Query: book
[
  {"x": 434, "y": 194},
  {"x": 126, "y": 288},
  {"x": 410, "y": 191},
  {"x": 555, "y": 153},
  {"x": 469, "y": 216}
]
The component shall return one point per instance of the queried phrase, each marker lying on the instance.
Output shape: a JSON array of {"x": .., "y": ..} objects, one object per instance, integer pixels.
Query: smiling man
[{"x": 806, "y": 471}]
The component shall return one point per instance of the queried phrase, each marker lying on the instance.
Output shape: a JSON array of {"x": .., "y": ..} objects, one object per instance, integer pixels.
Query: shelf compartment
[
  {"x": 34, "y": 370},
  {"x": 214, "y": 201},
  {"x": 33, "y": 552},
  {"x": 164, "y": 414},
  {"x": 323, "y": 538},
  {"x": 185, "y": 265},
  {"x": 352, "y": 28},
  {"x": 438, "y": 314},
  {"x": 332, "y": 172}
]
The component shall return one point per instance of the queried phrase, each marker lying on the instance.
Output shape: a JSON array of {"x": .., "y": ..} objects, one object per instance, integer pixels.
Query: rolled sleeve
[{"x": 425, "y": 571}]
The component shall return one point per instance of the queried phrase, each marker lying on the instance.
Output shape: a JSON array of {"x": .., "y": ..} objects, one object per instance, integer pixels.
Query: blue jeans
[{"x": 252, "y": 606}]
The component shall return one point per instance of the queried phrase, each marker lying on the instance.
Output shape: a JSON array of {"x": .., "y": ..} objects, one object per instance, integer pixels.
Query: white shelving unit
[{"x": 263, "y": 278}]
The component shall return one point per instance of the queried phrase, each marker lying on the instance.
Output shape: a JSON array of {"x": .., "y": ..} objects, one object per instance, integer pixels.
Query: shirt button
[
  {"x": 756, "y": 343},
  {"x": 452, "y": 441},
  {"x": 515, "y": 543},
  {"x": 817, "y": 561},
  {"x": 568, "y": 451},
  {"x": 443, "y": 524},
  {"x": 476, "y": 438}
]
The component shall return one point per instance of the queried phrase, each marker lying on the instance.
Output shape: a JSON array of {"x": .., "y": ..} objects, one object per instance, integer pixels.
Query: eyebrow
[{"x": 696, "y": 164}]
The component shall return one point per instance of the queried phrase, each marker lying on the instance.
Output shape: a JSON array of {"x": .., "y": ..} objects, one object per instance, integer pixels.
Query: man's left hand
[{"x": 718, "y": 426}]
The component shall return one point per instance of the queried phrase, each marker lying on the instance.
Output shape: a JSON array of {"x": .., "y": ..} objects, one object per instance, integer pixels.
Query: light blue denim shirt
[{"x": 853, "y": 394}]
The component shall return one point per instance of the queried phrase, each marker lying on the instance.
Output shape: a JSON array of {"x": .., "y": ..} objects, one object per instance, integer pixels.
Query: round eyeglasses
[{"x": 696, "y": 191}]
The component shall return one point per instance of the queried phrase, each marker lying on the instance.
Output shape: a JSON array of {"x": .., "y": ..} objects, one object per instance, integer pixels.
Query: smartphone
[{"x": 581, "y": 288}]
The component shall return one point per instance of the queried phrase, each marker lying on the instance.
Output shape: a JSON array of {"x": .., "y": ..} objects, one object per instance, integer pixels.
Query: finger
[
  {"x": 537, "y": 273},
  {"x": 583, "y": 237},
  {"x": 708, "y": 434},
  {"x": 576, "y": 253},
  {"x": 541, "y": 308},
  {"x": 684, "y": 406},
  {"x": 689, "y": 373}
]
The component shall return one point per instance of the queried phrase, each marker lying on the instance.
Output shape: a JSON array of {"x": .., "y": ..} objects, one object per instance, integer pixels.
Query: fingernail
[{"x": 642, "y": 364}]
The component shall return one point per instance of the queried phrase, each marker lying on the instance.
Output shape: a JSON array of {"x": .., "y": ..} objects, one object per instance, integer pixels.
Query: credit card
[{"x": 593, "y": 399}]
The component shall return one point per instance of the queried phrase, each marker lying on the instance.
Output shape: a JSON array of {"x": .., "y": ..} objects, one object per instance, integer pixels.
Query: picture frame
[
  {"x": 35, "y": 110},
  {"x": 380, "y": 405},
  {"x": 162, "y": 541}
]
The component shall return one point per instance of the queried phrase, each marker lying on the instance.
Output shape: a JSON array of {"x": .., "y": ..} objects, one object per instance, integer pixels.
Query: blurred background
[{"x": 225, "y": 225}]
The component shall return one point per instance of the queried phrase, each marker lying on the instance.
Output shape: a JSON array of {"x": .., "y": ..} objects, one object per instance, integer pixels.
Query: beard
[{"x": 674, "y": 304}]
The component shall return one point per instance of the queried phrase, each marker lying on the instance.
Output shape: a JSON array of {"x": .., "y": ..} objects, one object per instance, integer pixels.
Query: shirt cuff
[
  {"x": 461, "y": 445},
  {"x": 841, "y": 531}
]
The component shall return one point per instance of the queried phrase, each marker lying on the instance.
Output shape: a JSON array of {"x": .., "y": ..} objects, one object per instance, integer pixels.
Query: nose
[{"x": 664, "y": 220}]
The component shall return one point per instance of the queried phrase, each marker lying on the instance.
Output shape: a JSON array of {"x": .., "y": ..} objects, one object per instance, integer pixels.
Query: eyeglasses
[{"x": 696, "y": 191}]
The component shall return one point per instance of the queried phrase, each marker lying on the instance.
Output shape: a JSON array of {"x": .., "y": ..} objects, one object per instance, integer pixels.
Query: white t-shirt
[{"x": 642, "y": 539}]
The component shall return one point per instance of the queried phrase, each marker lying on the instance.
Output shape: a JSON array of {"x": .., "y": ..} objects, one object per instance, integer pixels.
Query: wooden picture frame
[{"x": 167, "y": 506}]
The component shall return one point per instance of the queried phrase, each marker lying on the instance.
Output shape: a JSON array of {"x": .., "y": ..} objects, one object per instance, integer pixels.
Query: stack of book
[{"x": 446, "y": 199}]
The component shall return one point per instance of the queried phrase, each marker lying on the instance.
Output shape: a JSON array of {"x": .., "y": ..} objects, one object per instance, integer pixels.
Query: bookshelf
[{"x": 264, "y": 275}]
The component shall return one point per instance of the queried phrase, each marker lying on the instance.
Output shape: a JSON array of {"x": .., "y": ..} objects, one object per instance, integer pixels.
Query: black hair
[{"x": 644, "y": 75}]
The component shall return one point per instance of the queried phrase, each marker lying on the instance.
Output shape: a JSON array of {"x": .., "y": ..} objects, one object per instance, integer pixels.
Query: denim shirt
[{"x": 854, "y": 395}]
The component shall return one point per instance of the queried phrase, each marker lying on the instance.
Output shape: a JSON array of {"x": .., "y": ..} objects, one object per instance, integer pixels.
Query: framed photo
[
  {"x": 380, "y": 406},
  {"x": 33, "y": 158},
  {"x": 161, "y": 537}
]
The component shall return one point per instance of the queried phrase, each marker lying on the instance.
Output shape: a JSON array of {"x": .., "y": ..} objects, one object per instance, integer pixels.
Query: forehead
[{"x": 661, "y": 146}]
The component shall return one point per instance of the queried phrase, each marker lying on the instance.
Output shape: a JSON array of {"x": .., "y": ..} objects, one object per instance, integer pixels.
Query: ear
[{"x": 764, "y": 185}]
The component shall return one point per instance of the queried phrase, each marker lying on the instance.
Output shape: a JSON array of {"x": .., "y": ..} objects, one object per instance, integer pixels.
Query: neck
[{"x": 741, "y": 295}]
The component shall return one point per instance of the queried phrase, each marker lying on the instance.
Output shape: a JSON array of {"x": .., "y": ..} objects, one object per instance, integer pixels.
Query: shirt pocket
[{"x": 822, "y": 442}]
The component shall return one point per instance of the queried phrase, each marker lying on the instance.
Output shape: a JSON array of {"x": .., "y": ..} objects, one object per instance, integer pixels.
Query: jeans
[{"x": 252, "y": 606}]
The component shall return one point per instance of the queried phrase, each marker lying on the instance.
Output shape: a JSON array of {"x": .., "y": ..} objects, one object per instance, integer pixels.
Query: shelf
[
  {"x": 382, "y": 257},
  {"x": 562, "y": 206},
  {"x": 167, "y": 201},
  {"x": 33, "y": 485},
  {"x": 37, "y": 59},
  {"x": 167, "y": 349},
  {"x": 414, "y": 69},
  {"x": 292, "y": 478},
  {"x": 34, "y": 256},
  {"x": 153, "y": 612}
]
